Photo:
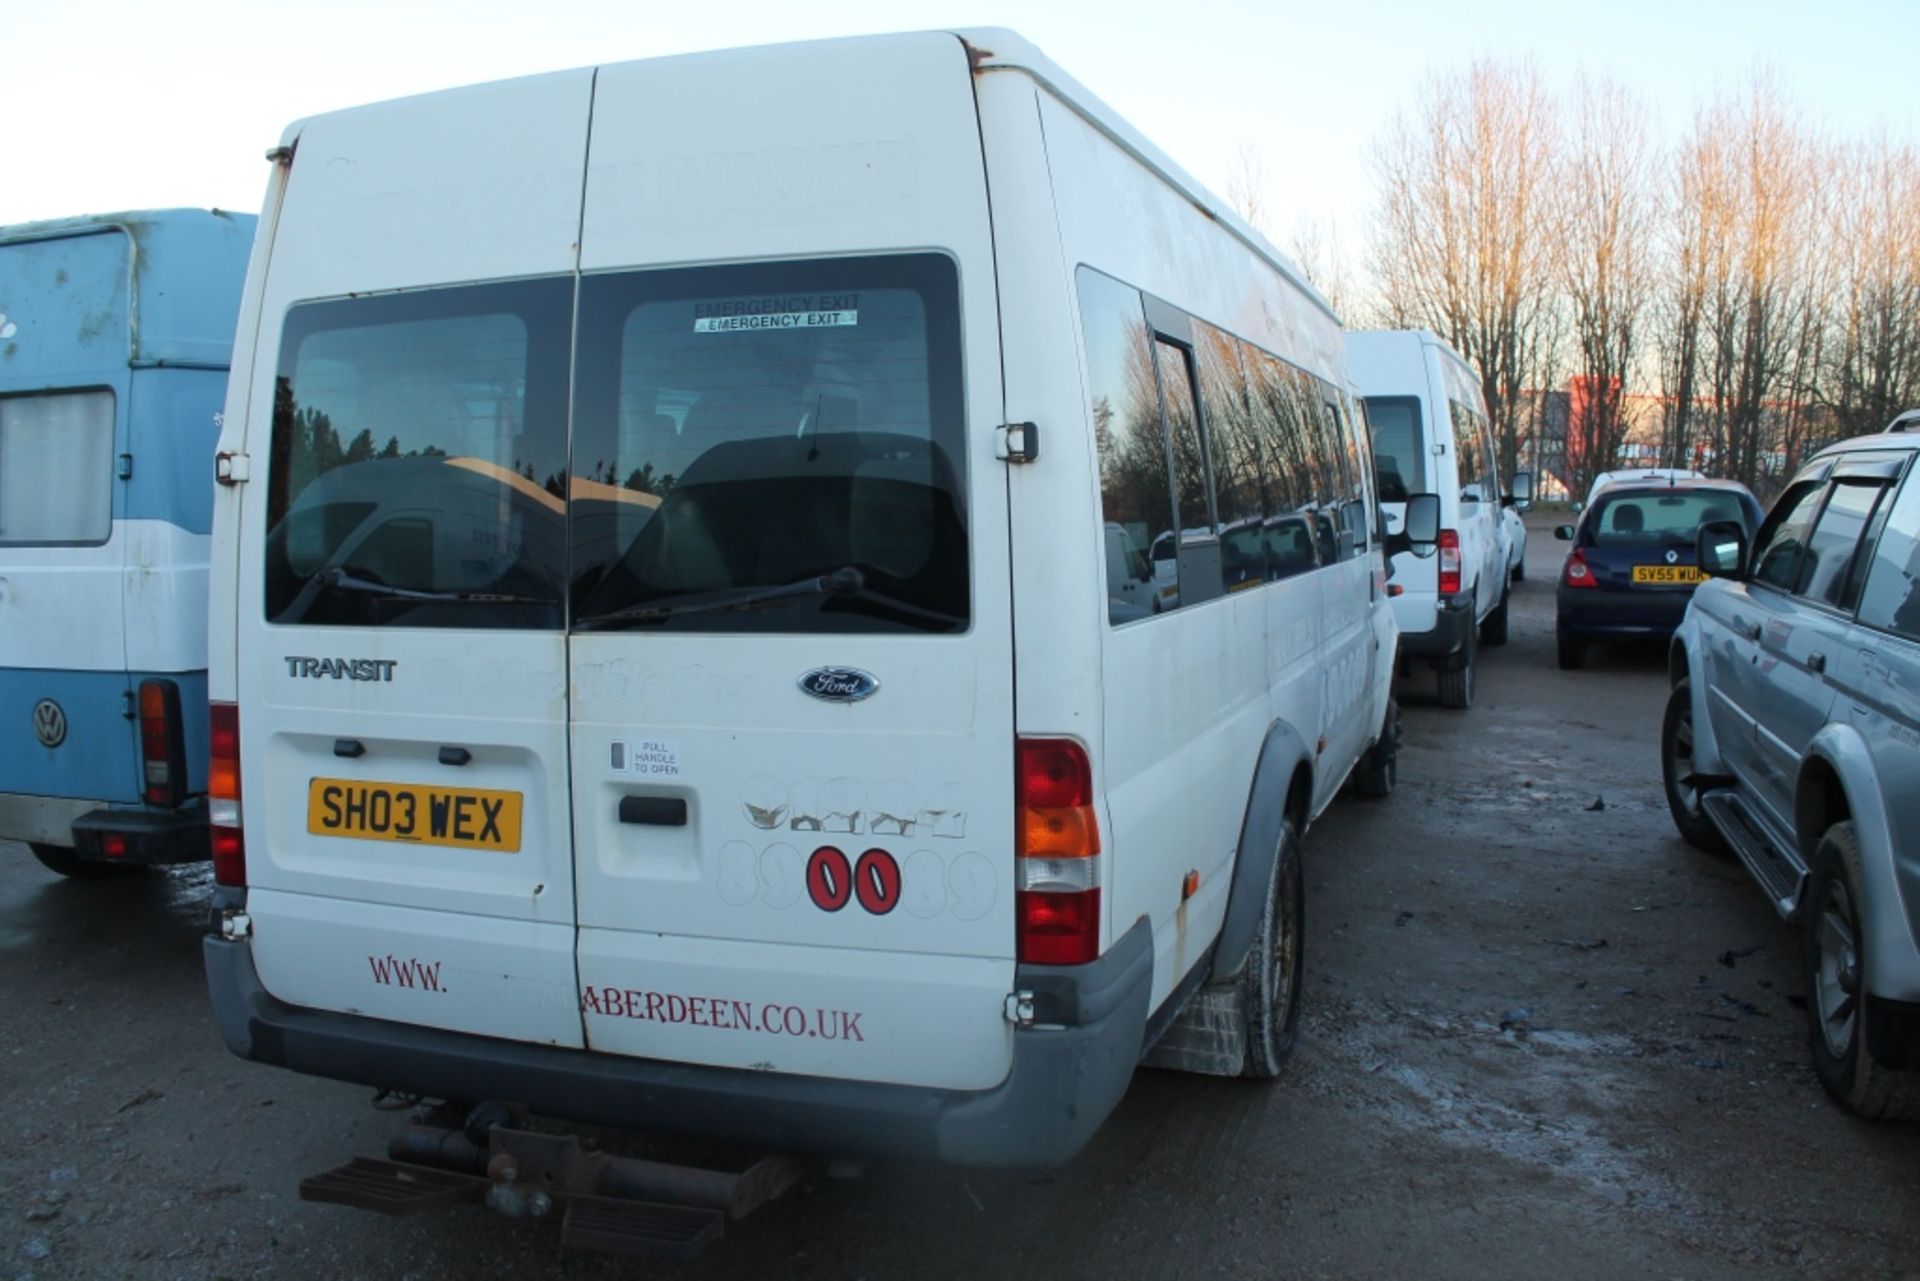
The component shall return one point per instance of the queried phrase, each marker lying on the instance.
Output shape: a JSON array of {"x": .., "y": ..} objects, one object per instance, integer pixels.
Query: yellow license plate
[
  {"x": 1667, "y": 574},
  {"x": 467, "y": 818}
]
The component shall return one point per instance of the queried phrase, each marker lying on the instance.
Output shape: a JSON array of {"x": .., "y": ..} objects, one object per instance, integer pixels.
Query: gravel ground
[{"x": 1542, "y": 1037}]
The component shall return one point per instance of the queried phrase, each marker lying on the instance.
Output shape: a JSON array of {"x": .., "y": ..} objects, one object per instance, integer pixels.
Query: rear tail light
[
  {"x": 1449, "y": 544},
  {"x": 223, "y": 797},
  {"x": 1578, "y": 573},
  {"x": 163, "y": 744},
  {"x": 1057, "y": 891}
]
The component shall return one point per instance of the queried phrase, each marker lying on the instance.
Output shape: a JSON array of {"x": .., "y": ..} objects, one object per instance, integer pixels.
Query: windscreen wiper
[
  {"x": 845, "y": 581},
  {"x": 343, "y": 578}
]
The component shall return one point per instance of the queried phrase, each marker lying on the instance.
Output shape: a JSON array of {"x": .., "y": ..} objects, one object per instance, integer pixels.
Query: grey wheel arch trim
[
  {"x": 1890, "y": 882},
  {"x": 1283, "y": 752}
]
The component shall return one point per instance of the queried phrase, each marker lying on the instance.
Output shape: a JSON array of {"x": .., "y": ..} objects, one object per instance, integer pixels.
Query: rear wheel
[
  {"x": 1494, "y": 630},
  {"x": 1520, "y": 569},
  {"x": 1676, "y": 770},
  {"x": 1379, "y": 769},
  {"x": 64, "y": 860},
  {"x": 1456, "y": 681},
  {"x": 1839, "y": 1008},
  {"x": 1572, "y": 651},
  {"x": 1270, "y": 988}
]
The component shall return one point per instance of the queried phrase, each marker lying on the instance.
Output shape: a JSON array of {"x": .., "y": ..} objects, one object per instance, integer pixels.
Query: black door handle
[
  {"x": 1816, "y": 662},
  {"x": 655, "y": 811}
]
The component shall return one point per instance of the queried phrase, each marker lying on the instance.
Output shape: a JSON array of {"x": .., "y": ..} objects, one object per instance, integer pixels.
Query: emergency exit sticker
[
  {"x": 779, "y": 320},
  {"x": 647, "y": 757},
  {"x": 787, "y": 311}
]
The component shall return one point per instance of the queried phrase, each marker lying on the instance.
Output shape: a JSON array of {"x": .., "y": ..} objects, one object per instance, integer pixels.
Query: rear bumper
[
  {"x": 1595, "y": 611},
  {"x": 144, "y": 837},
  {"x": 1452, "y": 620},
  {"x": 1063, "y": 1084}
]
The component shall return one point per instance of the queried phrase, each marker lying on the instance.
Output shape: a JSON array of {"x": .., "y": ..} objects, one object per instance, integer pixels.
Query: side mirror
[
  {"x": 1563, "y": 532},
  {"x": 1720, "y": 549},
  {"x": 1521, "y": 496},
  {"x": 1420, "y": 530}
]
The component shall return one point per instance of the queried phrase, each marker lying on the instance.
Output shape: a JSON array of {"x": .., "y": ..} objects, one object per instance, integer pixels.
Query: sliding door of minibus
[{"x": 791, "y": 659}]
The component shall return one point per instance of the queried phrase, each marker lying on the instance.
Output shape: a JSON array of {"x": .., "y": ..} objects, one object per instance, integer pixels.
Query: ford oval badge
[{"x": 839, "y": 684}]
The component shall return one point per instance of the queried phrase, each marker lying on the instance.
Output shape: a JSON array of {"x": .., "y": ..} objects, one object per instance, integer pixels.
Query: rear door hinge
[
  {"x": 229, "y": 468},
  {"x": 1016, "y": 442},
  {"x": 1019, "y": 1008}
]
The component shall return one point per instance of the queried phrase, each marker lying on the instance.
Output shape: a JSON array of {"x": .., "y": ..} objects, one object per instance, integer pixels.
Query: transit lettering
[{"x": 341, "y": 669}]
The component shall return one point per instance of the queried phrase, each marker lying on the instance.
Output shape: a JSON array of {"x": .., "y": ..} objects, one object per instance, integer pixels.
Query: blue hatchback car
[{"x": 1632, "y": 569}]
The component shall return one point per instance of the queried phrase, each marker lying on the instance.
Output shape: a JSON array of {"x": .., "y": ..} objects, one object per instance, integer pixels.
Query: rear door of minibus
[
  {"x": 400, "y": 635},
  {"x": 791, "y": 682}
]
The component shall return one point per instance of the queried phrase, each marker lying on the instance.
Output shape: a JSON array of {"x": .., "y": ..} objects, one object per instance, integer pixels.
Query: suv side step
[{"x": 1780, "y": 872}]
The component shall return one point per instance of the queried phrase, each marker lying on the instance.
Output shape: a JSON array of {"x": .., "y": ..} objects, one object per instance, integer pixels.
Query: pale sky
[{"x": 111, "y": 104}]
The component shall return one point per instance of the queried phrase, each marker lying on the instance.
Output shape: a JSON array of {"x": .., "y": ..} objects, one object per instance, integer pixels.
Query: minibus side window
[
  {"x": 56, "y": 468},
  {"x": 1469, "y": 454},
  {"x": 1136, "y": 490},
  {"x": 1239, "y": 487},
  {"x": 1341, "y": 475},
  {"x": 1199, "y": 549},
  {"x": 1282, "y": 417}
]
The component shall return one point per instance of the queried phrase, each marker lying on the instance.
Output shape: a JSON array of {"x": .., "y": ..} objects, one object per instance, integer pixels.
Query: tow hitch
[{"x": 618, "y": 1204}]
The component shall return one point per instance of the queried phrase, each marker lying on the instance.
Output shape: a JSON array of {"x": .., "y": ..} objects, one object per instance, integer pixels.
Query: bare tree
[
  {"x": 1873, "y": 366},
  {"x": 1757, "y": 273},
  {"x": 1315, "y": 248},
  {"x": 1604, "y": 220},
  {"x": 1247, "y": 183},
  {"x": 1461, "y": 243}
]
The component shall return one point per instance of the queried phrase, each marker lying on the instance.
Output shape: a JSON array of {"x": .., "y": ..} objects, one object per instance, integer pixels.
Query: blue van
[{"x": 115, "y": 333}]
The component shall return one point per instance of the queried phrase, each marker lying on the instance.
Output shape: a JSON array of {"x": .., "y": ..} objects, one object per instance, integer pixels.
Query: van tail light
[
  {"x": 163, "y": 744},
  {"x": 223, "y": 797},
  {"x": 1449, "y": 544},
  {"x": 1578, "y": 573},
  {"x": 1057, "y": 843}
]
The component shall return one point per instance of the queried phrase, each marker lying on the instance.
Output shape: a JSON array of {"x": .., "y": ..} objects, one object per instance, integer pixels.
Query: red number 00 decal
[
  {"x": 876, "y": 879},
  {"x": 829, "y": 879}
]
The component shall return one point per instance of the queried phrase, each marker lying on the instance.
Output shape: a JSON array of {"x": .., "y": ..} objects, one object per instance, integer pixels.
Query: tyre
[
  {"x": 1520, "y": 570},
  {"x": 65, "y": 861},
  {"x": 1676, "y": 764},
  {"x": 1572, "y": 652},
  {"x": 1839, "y": 1007},
  {"x": 1270, "y": 988},
  {"x": 1494, "y": 630},
  {"x": 1379, "y": 769},
  {"x": 1456, "y": 683}
]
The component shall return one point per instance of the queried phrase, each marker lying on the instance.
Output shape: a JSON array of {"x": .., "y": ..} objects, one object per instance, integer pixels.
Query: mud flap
[{"x": 1208, "y": 1036}]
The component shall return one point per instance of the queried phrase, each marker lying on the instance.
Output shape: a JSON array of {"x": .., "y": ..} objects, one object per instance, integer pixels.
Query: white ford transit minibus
[
  {"x": 1431, "y": 434},
  {"x": 687, "y": 654}
]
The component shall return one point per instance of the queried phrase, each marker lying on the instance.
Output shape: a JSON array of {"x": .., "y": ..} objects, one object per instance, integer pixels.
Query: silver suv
[{"x": 1792, "y": 738}]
